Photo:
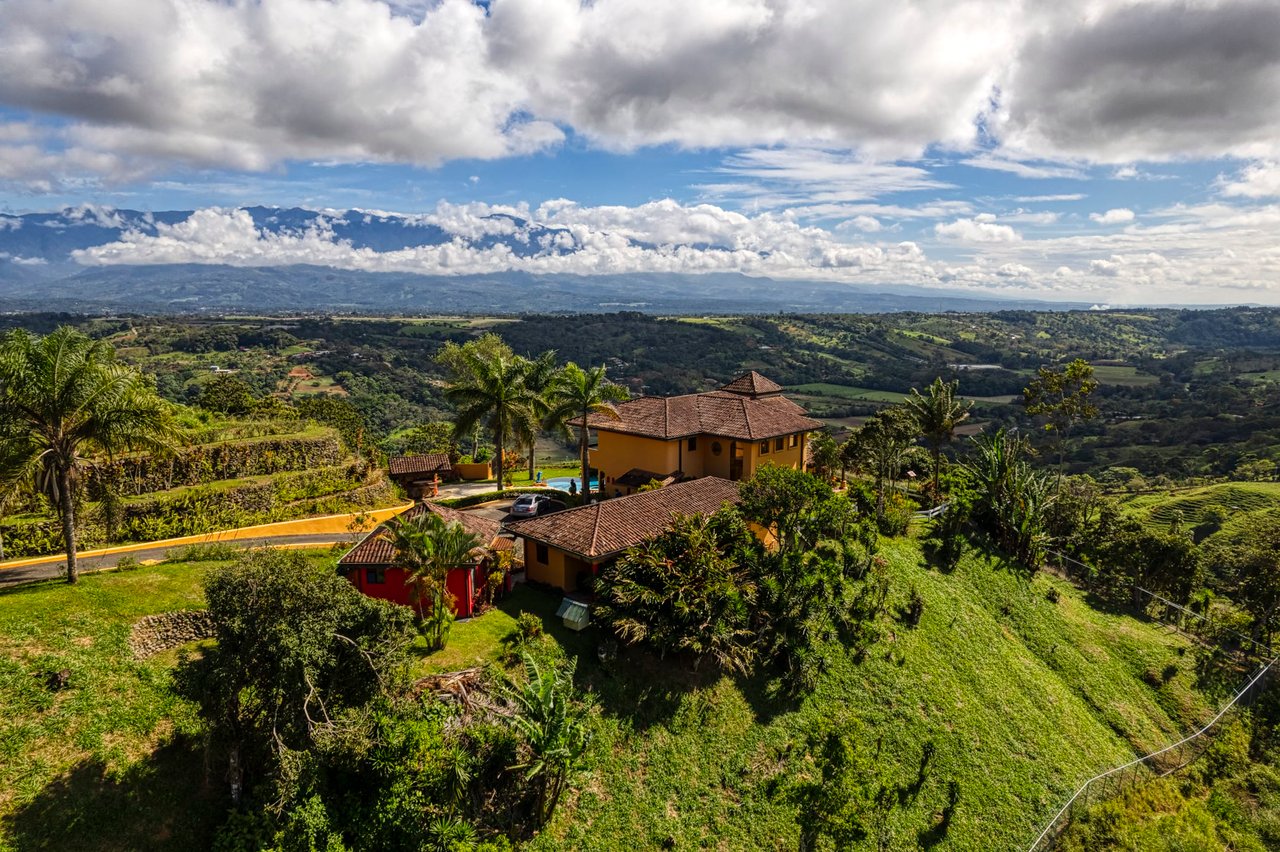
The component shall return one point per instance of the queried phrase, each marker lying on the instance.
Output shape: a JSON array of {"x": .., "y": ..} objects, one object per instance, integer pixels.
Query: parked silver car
[{"x": 531, "y": 505}]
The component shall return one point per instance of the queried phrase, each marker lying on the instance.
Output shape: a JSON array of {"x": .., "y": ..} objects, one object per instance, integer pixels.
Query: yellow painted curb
[{"x": 337, "y": 524}]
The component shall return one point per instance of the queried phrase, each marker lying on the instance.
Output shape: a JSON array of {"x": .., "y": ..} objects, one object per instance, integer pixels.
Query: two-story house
[{"x": 726, "y": 433}]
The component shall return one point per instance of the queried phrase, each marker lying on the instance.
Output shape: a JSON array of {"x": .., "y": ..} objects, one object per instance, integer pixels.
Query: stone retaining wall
[{"x": 156, "y": 633}]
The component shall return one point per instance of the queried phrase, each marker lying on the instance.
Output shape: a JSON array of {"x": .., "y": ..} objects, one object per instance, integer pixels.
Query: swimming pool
[{"x": 562, "y": 482}]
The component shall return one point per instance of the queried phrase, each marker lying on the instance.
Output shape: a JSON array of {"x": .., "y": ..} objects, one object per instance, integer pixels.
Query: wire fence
[
  {"x": 1161, "y": 762},
  {"x": 1157, "y": 764}
]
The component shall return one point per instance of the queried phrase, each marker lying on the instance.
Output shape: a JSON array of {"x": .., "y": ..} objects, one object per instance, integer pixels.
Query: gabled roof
[
  {"x": 425, "y": 463},
  {"x": 720, "y": 413},
  {"x": 376, "y": 548},
  {"x": 599, "y": 531},
  {"x": 753, "y": 384}
]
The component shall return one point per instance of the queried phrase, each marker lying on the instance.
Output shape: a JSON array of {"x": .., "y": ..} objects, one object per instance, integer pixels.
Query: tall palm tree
[
  {"x": 489, "y": 390},
  {"x": 581, "y": 393},
  {"x": 427, "y": 547},
  {"x": 63, "y": 398},
  {"x": 540, "y": 378},
  {"x": 936, "y": 418}
]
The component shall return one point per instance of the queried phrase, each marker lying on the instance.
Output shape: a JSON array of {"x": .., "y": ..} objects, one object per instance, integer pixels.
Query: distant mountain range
[{"x": 38, "y": 272}]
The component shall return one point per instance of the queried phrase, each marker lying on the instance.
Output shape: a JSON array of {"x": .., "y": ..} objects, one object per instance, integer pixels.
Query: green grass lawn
[
  {"x": 106, "y": 763},
  {"x": 113, "y": 761},
  {"x": 1022, "y": 696}
]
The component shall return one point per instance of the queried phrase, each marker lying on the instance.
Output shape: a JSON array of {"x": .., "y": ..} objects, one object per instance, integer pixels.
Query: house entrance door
[{"x": 735, "y": 461}]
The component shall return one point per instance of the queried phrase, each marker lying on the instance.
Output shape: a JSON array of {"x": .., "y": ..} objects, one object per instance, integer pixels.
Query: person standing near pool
[{"x": 573, "y": 488}]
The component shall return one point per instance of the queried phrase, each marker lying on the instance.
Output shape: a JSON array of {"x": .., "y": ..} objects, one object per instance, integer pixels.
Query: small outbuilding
[
  {"x": 418, "y": 475},
  {"x": 371, "y": 565}
]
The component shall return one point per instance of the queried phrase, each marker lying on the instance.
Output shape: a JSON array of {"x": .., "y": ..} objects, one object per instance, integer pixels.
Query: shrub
[{"x": 914, "y": 608}]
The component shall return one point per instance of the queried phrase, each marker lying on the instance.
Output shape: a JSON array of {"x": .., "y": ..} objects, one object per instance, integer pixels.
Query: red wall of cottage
[{"x": 464, "y": 584}]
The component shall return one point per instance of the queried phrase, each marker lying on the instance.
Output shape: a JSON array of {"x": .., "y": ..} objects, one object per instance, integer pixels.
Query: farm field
[{"x": 1123, "y": 375}]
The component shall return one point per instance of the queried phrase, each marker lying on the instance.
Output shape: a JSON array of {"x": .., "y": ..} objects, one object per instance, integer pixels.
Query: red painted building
[{"x": 371, "y": 568}]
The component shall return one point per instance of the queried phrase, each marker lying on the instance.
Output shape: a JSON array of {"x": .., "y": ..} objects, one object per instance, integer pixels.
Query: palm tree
[
  {"x": 64, "y": 397},
  {"x": 581, "y": 393},
  {"x": 427, "y": 547},
  {"x": 489, "y": 389},
  {"x": 936, "y": 418},
  {"x": 540, "y": 378}
]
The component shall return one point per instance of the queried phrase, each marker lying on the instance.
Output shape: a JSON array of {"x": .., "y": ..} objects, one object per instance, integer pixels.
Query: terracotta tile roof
[
  {"x": 719, "y": 413},
  {"x": 425, "y": 463},
  {"x": 753, "y": 384},
  {"x": 376, "y": 547},
  {"x": 601, "y": 530}
]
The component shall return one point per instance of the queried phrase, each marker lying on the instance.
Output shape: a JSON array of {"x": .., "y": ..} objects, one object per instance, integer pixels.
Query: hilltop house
[
  {"x": 371, "y": 564},
  {"x": 563, "y": 549},
  {"x": 726, "y": 433}
]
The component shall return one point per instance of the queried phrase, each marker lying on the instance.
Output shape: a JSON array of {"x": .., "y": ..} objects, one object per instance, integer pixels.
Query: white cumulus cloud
[
  {"x": 1114, "y": 216},
  {"x": 980, "y": 229}
]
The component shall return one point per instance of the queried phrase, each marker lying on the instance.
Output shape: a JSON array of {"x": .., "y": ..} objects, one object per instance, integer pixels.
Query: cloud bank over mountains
[
  {"x": 1160, "y": 259},
  {"x": 846, "y": 133}
]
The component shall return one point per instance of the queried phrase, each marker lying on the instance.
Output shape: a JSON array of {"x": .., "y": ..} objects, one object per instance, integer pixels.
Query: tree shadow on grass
[
  {"x": 162, "y": 803},
  {"x": 635, "y": 686}
]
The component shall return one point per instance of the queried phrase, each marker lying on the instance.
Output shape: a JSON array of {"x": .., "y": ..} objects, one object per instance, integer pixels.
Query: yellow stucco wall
[
  {"x": 617, "y": 454},
  {"x": 551, "y": 572},
  {"x": 560, "y": 570}
]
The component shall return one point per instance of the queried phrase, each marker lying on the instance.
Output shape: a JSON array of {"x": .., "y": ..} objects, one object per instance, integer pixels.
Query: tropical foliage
[
  {"x": 687, "y": 591},
  {"x": 884, "y": 443},
  {"x": 936, "y": 417},
  {"x": 1011, "y": 497},
  {"x": 488, "y": 389},
  {"x": 1064, "y": 398},
  {"x": 64, "y": 400},
  {"x": 427, "y": 547},
  {"x": 554, "y": 729}
]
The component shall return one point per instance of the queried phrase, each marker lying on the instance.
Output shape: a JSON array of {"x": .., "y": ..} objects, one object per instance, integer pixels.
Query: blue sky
[{"x": 1119, "y": 152}]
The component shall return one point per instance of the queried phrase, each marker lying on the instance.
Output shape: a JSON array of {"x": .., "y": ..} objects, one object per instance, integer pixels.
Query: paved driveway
[{"x": 55, "y": 567}]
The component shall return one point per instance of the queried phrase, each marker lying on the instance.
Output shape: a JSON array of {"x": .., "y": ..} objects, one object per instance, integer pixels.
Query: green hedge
[
  {"x": 206, "y": 463},
  {"x": 508, "y": 494}
]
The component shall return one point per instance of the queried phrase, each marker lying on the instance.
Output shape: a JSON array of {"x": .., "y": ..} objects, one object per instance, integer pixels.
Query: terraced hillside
[
  {"x": 1193, "y": 506},
  {"x": 225, "y": 476}
]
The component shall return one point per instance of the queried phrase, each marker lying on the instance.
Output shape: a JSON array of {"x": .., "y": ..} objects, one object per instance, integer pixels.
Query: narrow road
[{"x": 55, "y": 567}]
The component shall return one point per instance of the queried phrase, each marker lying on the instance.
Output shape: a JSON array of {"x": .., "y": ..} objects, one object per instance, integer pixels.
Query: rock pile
[{"x": 156, "y": 633}]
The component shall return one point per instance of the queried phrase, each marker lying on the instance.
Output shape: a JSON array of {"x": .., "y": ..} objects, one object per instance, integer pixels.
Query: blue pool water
[{"x": 562, "y": 483}]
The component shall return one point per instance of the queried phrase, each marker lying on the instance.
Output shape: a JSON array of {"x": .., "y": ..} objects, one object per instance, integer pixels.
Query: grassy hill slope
[{"x": 1022, "y": 696}]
